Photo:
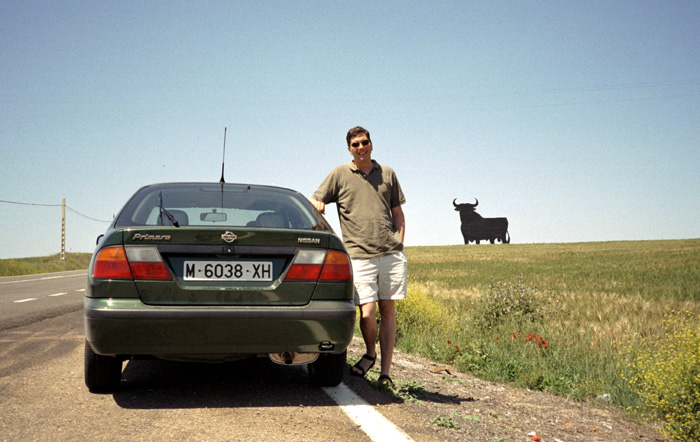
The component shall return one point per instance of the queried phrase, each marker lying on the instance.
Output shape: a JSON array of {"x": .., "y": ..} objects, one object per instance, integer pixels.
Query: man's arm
[
  {"x": 319, "y": 205},
  {"x": 399, "y": 221}
]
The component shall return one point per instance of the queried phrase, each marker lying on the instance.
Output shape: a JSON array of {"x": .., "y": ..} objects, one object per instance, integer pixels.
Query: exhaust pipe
[{"x": 292, "y": 358}]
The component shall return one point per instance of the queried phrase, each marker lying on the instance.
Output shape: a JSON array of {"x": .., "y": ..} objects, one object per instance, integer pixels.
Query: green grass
[
  {"x": 45, "y": 264},
  {"x": 488, "y": 310}
]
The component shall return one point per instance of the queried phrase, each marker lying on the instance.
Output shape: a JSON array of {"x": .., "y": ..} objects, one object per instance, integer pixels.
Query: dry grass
[
  {"x": 616, "y": 291},
  {"x": 595, "y": 302},
  {"x": 44, "y": 264}
]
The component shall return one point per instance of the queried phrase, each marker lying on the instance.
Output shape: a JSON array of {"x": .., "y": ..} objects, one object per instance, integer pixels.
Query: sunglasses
[{"x": 357, "y": 144}]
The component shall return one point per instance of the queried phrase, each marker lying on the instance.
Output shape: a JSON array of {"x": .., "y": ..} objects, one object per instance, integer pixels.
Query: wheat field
[{"x": 564, "y": 318}]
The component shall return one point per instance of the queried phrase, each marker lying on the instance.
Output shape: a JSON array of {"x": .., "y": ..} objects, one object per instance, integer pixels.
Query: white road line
[
  {"x": 75, "y": 275},
  {"x": 59, "y": 294},
  {"x": 80, "y": 290},
  {"x": 376, "y": 426},
  {"x": 25, "y": 300}
]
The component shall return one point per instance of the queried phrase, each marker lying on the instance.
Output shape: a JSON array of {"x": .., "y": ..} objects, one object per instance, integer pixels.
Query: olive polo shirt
[{"x": 364, "y": 205}]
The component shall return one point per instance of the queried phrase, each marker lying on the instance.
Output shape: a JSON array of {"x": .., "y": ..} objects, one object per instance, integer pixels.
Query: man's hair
[{"x": 355, "y": 131}]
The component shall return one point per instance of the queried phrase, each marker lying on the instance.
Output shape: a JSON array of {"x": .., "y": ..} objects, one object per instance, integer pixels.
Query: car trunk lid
[{"x": 207, "y": 269}]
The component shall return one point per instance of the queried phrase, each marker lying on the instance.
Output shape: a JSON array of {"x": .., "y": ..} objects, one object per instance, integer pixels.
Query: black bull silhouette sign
[{"x": 476, "y": 228}]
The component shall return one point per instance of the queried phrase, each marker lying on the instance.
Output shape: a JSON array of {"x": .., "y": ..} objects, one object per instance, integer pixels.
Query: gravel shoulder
[{"x": 426, "y": 394}]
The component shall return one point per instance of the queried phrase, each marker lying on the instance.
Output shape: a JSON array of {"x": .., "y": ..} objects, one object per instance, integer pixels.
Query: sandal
[
  {"x": 362, "y": 371},
  {"x": 384, "y": 380}
]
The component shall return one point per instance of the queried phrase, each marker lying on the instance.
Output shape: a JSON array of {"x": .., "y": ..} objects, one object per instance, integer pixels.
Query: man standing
[{"x": 369, "y": 198}]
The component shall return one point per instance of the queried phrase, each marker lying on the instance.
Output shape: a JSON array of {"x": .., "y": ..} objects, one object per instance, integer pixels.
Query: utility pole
[{"x": 63, "y": 230}]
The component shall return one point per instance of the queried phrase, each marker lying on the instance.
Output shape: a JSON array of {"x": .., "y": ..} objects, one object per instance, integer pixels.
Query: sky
[{"x": 578, "y": 121}]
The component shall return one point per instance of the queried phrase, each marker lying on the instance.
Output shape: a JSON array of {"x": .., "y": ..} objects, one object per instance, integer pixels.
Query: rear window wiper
[{"x": 163, "y": 211}]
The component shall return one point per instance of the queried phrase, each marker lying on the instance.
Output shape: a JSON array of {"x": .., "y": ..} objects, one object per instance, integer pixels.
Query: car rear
[{"x": 216, "y": 272}]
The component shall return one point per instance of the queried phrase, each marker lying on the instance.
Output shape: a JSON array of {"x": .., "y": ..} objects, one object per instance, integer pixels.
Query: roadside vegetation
[
  {"x": 614, "y": 322},
  {"x": 44, "y": 264}
]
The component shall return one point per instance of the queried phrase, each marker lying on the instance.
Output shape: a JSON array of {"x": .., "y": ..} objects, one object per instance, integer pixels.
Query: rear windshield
[{"x": 227, "y": 205}]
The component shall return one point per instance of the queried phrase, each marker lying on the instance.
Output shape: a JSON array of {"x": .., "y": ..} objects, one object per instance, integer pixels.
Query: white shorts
[{"x": 380, "y": 278}]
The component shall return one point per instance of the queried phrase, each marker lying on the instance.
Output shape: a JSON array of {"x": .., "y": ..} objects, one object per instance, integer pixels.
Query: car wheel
[
  {"x": 328, "y": 369},
  {"x": 102, "y": 373}
]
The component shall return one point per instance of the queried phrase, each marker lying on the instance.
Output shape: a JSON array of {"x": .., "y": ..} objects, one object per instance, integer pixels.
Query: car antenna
[{"x": 223, "y": 160}]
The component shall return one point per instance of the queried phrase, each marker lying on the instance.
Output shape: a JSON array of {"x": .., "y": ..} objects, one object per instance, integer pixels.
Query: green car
[{"x": 217, "y": 272}]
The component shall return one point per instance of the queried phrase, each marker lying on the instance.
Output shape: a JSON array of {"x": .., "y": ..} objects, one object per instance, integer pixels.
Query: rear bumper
[{"x": 128, "y": 327}]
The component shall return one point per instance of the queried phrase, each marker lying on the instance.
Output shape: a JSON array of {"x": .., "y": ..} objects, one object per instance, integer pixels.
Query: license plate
[{"x": 228, "y": 271}]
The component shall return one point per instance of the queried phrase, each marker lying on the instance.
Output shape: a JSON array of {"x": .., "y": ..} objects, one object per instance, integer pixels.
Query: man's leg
[
  {"x": 392, "y": 286},
  {"x": 368, "y": 327},
  {"x": 387, "y": 333}
]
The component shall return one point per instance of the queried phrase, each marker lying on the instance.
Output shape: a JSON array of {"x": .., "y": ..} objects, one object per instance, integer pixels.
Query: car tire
[
  {"x": 102, "y": 373},
  {"x": 328, "y": 369}
]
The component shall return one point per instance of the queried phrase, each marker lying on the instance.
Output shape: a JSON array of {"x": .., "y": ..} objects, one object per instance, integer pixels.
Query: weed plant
[
  {"x": 665, "y": 373},
  {"x": 509, "y": 303},
  {"x": 554, "y": 317}
]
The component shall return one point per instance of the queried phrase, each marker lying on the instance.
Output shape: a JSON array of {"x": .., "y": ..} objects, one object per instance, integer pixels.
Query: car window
[{"x": 230, "y": 205}]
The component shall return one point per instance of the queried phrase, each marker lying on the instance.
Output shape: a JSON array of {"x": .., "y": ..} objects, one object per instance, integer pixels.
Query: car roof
[{"x": 209, "y": 183}]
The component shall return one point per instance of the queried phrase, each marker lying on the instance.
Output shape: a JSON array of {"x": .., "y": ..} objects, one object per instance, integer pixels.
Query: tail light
[
  {"x": 336, "y": 267},
  {"x": 111, "y": 263},
  {"x": 321, "y": 266},
  {"x": 130, "y": 263},
  {"x": 146, "y": 263}
]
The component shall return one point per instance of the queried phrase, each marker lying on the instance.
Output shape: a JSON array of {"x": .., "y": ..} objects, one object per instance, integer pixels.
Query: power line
[
  {"x": 56, "y": 205},
  {"x": 87, "y": 217},
  {"x": 30, "y": 204}
]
